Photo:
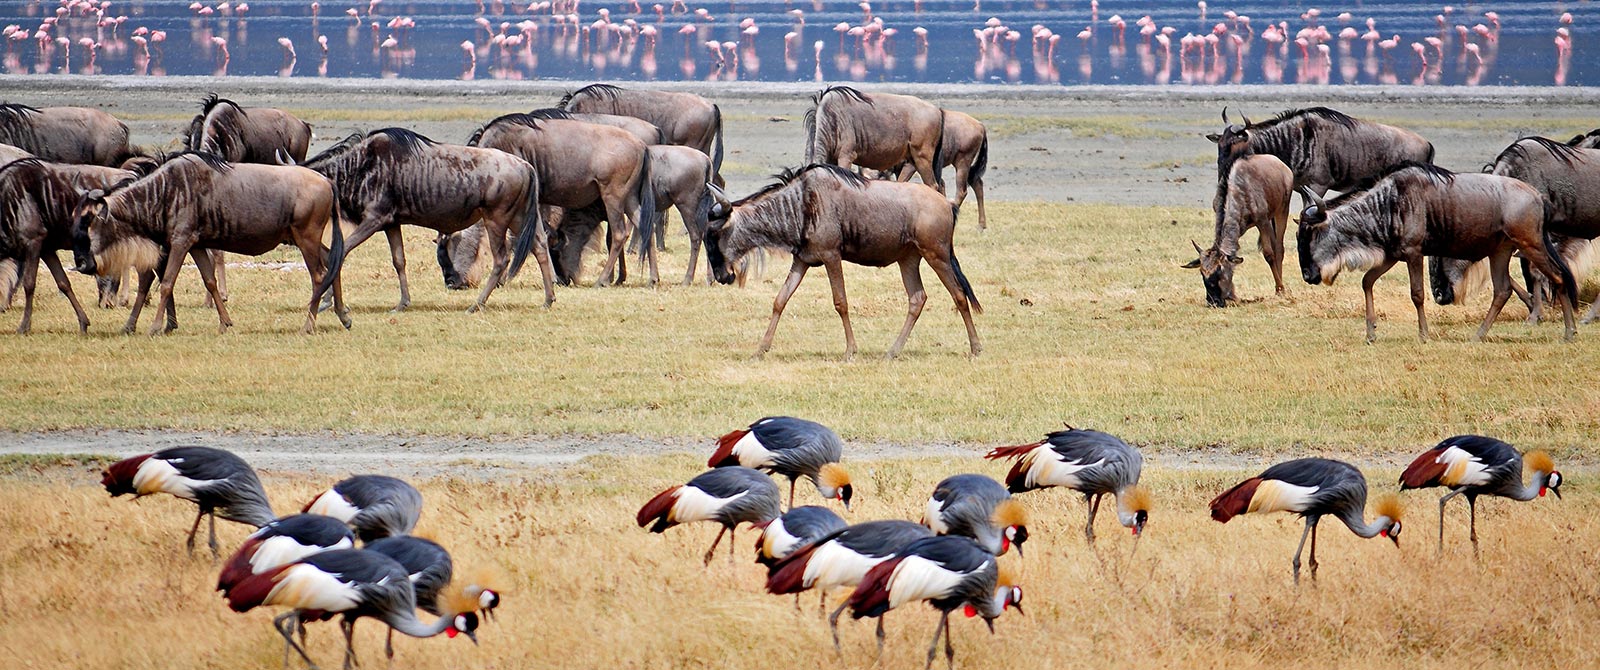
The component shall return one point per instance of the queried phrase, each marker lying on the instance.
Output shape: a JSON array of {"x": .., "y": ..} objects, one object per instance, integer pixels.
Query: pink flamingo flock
[{"x": 508, "y": 38}]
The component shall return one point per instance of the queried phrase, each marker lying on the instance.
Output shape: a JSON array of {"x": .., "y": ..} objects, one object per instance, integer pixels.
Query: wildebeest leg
[
  {"x": 1594, "y": 310},
  {"x": 617, "y": 230},
  {"x": 316, "y": 259},
  {"x": 941, "y": 266},
  {"x": 1270, "y": 236},
  {"x": 169, "y": 279},
  {"x": 1366, "y": 289},
  {"x": 1552, "y": 274},
  {"x": 963, "y": 167},
  {"x": 916, "y": 297},
  {"x": 840, "y": 303},
  {"x": 696, "y": 238},
  {"x": 139, "y": 300},
  {"x": 797, "y": 272},
  {"x": 220, "y": 264},
  {"x": 60, "y": 274},
  {"x": 30, "y": 274},
  {"x": 202, "y": 262},
  {"x": 497, "y": 250},
  {"x": 1500, "y": 273},
  {"x": 1418, "y": 289},
  {"x": 397, "y": 251}
]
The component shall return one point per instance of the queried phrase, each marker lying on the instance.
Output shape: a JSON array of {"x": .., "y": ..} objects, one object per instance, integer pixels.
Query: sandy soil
[{"x": 1039, "y": 151}]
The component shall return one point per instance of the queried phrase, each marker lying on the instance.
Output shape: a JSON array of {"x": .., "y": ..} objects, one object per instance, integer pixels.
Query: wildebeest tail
[
  {"x": 1568, "y": 282},
  {"x": 336, "y": 252},
  {"x": 532, "y": 228},
  {"x": 1429, "y": 159},
  {"x": 938, "y": 153},
  {"x": 647, "y": 209},
  {"x": 961, "y": 277},
  {"x": 716, "y": 152},
  {"x": 811, "y": 134},
  {"x": 979, "y": 164}
]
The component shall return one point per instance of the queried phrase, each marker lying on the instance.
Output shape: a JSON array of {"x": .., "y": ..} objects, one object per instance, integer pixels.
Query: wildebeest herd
[{"x": 541, "y": 182}]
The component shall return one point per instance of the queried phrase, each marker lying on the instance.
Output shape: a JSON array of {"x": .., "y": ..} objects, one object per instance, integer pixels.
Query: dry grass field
[{"x": 91, "y": 582}]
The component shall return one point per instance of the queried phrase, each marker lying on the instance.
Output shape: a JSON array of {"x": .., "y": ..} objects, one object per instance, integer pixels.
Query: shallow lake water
[{"x": 775, "y": 40}]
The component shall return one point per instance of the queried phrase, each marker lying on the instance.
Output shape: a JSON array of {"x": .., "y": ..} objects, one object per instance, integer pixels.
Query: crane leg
[
  {"x": 713, "y": 550},
  {"x": 822, "y": 603},
  {"x": 1094, "y": 508},
  {"x": 216, "y": 551},
  {"x": 733, "y": 541},
  {"x": 791, "y": 493},
  {"x": 1296, "y": 561},
  {"x": 1442, "y": 501},
  {"x": 1472, "y": 505},
  {"x": 286, "y": 624},
  {"x": 933, "y": 649},
  {"x": 949, "y": 645},
  {"x": 880, "y": 636},
  {"x": 833, "y": 625},
  {"x": 388, "y": 646},
  {"x": 195, "y": 529},
  {"x": 1313, "y": 551},
  {"x": 349, "y": 627}
]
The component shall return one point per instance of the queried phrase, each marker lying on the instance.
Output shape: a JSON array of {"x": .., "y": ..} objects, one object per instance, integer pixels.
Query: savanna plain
[{"x": 1088, "y": 320}]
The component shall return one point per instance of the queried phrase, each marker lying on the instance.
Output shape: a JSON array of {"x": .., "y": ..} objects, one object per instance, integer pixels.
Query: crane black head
[
  {"x": 1553, "y": 483},
  {"x": 1012, "y": 520},
  {"x": 465, "y": 623}
]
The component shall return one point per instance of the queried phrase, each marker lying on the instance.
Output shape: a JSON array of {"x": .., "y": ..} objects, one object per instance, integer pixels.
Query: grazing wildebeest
[
  {"x": 878, "y": 131},
  {"x": 578, "y": 164},
  {"x": 394, "y": 177},
  {"x": 685, "y": 119},
  {"x": 245, "y": 135},
  {"x": 36, "y": 216},
  {"x": 1252, "y": 192},
  {"x": 66, "y": 134},
  {"x": 825, "y": 215},
  {"x": 1329, "y": 150},
  {"x": 966, "y": 146},
  {"x": 1569, "y": 179},
  {"x": 1420, "y": 210},
  {"x": 195, "y": 202},
  {"x": 680, "y": 177}
]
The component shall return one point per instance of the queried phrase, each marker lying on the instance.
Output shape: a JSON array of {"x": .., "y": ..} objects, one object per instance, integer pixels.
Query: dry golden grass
[
  {"x": 87, "y": 581},
  {"x": 1088, "y": 320}
]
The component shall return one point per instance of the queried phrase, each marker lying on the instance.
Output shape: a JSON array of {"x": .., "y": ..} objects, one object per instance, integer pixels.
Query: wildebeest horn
[
  {"x": 1197, "y": 247},
  {"x": 1246, "y": 120},
  {"x": 282, "y": 157},
  {"x": 1225, "y": 120},
  {"x": 719, "y": 195}
]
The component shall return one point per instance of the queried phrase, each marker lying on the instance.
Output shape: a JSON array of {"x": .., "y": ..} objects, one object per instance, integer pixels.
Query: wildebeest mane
[
  {"x": 338, "y": 149},
  {"x": 211, "y": 101},
  {"x": 1560, "y": 151},
  {"x": 1437, "y": 174},
  {"x": 846, "y": 91},
  {"x": 211, "y": 160},
  {"x": 529, "y": 119},
  {"x": 604, "y": 91},
  {"x": 406, "y": 142},
  {"x": 789, "y": 175},
  {"x": 1326, "y": 113},
  {"x": 550, "y": 113}
]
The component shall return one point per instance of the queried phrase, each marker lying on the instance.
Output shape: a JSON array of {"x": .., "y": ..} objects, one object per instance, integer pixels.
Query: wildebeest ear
[
  {"x": 1235, "y": 259},
  {"x": 1191, "y": 264},
  {"x": 1215, "y": 138}
]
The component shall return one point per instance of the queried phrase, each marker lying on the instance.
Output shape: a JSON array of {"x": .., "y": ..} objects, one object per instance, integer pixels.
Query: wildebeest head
[
  {"x": 1313, "y": 225},
  {"x": 716, "y": 237},
  {"x": 446, "y": 246},
  {"x": 1216, "y": 273},
  {"x": 105, "y": 246},
  {"x": 1233, "y": 141}
]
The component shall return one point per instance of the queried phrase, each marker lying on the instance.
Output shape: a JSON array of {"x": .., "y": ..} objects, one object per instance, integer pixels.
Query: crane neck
[
  {"x": 408, "y": 623},
  {"x": 1529, "y": 491},
  {"x": 1354, "y": 521},
  {"x": 1125, "y": 516}
]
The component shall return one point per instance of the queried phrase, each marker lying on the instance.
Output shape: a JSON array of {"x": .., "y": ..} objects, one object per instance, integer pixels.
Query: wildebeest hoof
[
  {"x": 474, "y": 308},
  {"x": 344, "y": 320}
]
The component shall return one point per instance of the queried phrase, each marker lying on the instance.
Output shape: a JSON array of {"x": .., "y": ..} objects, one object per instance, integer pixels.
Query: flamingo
[
  {"x": 1566, "y": 18},
  {"x": 1472, "y": 50},
  {"x": 799, "y": 17},
  {"x": 288, "y": 48},
  {"x": 1494, "y": 19},
  {"x": 322, "y": 41},
  {"x": 1422, "y": 53},
  {"x": 1484, "y": 32},
  {"x": 1437, "y": 44},
  {"x": 922, "y": 38},
  {"x": 222, "y": 43}
]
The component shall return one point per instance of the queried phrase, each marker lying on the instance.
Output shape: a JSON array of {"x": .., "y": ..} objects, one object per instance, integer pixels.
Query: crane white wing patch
[
  {"x": 308, "y": 588},
  {"x": 1462, "y": 468},
  {"x": 693, "y": 504},
  {"x": 935, "y": 519},
  {"x": 1273, "y": 495},
  {"x": 917, "y": 578},
  {"x": 157, "y": 476},
  {"x": 833, "y": 564},
  {"x": 282, "y": 550},
  {"x": 751, "y": 453},
  {"x": 777, "y": 541},
  {"x": 330, "y": 503},
  {"x": 1050, "y": 468}
]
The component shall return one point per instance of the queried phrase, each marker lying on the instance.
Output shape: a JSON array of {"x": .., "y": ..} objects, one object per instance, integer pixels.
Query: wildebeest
[
  {"x": 965, "y": 146},
  {"x": 680, "y": 177},
  {"x": 825, "y": 215},
  {"x": 1252, "y": 192},
  {"x": 640, "y": 129},
  {"x": 394, "y": 177},
  {"x": 1569, "y": 179},
  {"x": 36, "y": 217},
  {"x": 1329, "y": 150},
  {"x": 578, "y": 164},
  {"x": 685, "y": 119},
  {"x": 245, "y": 135},
  {"x": 195, "y": 202},
  {"x": 66, "y": 134},
  {"x": 1420, "y": 210},
  {"x": 878, "y": 131}
]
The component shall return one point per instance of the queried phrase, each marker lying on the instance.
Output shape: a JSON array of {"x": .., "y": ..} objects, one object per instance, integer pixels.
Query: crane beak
[
  {"x": 1018, "y": 607},
  {"x": 990, "y": 624},
  {"x": 473, "y": 637}
]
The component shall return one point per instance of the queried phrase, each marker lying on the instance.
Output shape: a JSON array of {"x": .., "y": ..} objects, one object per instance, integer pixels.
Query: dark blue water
[{"x": 425, "y": 40}]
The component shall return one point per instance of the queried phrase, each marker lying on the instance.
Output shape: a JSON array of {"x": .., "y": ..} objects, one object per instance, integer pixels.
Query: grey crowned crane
[
  {"x": 1312, "y": 488},
  {"x": 796, "y": 528},
  {"x": 1472, "y": 466},
  {"x": 375, "y": 506},
  {"x": 843, "y": 559},
  {"x": 978, "y": 507},
  {"x": 432, "y": 573},
  {"x": 948, "y": 573},
  {"x": 729, "y": 496},
  {"x": 354, "y": 583},
  {"x": 1089, "y": 462},
  {"x": 790, "y": 447},
  {"x": 284, "y": 541},
  {"x": 221, "y": 483}
]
